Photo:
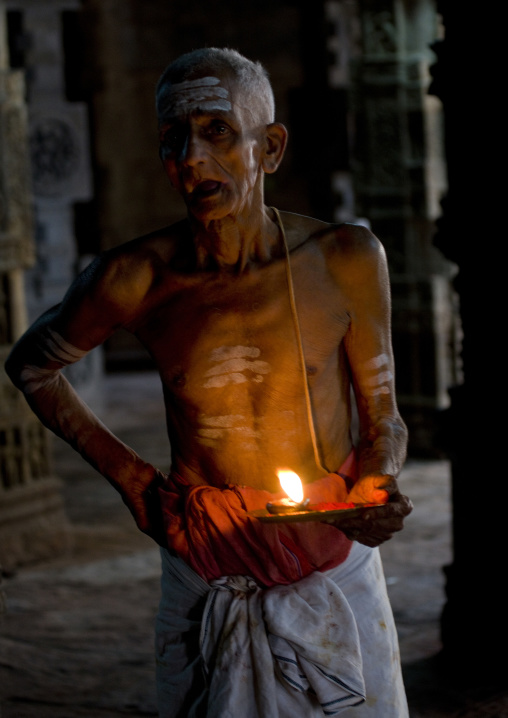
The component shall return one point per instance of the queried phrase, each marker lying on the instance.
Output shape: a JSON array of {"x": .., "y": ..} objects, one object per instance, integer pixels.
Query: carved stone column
[
  {"x": 342, "y": 45},
  {"x": 33, "y": 524},
  {"x": 60, "y": 167},
  {"x": 471, "y": 233},
  {"x": 400, "y": 177}
]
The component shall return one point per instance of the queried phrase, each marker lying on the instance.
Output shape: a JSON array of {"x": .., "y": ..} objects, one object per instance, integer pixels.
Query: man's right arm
[
  {"x": 98, "y": 302},
  {"x": 381, "y": 450}
]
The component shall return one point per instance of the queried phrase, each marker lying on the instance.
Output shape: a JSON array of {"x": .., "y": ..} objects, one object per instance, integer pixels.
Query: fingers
[
  {"x": 369, "y": 490},
  {"x": 144, "y": 504},
  {"x": 400, "y": 504},
  {"x": 374, "y": 526},
  {"x": 370, "y": 536},
  {"x": 155, "y": 523}
]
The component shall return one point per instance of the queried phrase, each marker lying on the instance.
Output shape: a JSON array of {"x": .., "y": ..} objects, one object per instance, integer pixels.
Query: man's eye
[
  {"x": 219, "y": 129},
  {"x": 172, "y": 139}
]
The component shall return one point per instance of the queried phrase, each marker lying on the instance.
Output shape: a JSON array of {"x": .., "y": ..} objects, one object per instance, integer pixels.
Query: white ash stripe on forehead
[
  {"x": 184, "y": 106},
  {"x": 377, "y": 362},
  {"x": 193, "y": 87},
  {"x": 204, "y": 94}
]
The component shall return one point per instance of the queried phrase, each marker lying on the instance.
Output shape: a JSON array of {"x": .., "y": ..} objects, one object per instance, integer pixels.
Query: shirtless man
[{"x": 230, "y": 302}]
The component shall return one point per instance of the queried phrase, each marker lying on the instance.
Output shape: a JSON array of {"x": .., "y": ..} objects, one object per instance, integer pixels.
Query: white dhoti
[{"x": 326, "y": 645}]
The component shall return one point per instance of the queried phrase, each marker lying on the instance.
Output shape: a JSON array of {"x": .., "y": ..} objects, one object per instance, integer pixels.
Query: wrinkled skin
[
  {"x": 208, "y": 298},
  {"x": 376, "y": 525}
]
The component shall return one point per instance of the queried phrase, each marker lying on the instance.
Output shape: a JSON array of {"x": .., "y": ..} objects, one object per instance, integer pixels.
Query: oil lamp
[
  {"x": 295, "y": 508},
  {"x": 292, "y": 485}
]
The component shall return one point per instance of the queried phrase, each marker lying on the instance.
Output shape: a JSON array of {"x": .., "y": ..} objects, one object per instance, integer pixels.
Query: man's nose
[{"x": 193, "y": 150}]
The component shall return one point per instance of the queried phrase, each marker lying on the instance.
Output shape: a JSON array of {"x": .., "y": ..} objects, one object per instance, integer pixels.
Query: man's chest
[{"x": 243, "y": 334}]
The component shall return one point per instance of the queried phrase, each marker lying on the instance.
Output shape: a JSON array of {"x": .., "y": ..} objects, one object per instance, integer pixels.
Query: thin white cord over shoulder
[{"x": 298, "y": 333}]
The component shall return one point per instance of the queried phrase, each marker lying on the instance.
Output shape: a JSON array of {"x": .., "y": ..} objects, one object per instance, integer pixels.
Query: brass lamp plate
[{"x": 297, "y": 516}]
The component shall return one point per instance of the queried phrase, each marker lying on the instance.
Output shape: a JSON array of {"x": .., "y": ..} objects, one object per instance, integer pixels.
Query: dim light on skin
[
  {"x": 213, "y": 430},
  {"x": 377, "y": 362},
  {"x": 216, "y": 158},
  {"x": 380, "y": 383},
  {"x": 384, "y": 377},
  {"x": 56, "y": 349}
]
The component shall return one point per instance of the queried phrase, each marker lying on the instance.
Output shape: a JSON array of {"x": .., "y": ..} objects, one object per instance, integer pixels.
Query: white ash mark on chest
[
  {"x": 214, "y": 429},
  {"x": 235, "y": 365}
]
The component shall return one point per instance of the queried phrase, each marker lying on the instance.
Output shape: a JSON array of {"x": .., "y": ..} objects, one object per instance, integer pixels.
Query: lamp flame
[{"x": 292, "y": 485}]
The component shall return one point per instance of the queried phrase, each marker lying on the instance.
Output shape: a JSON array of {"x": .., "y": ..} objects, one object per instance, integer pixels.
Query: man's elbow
[
  {"x": 403, "y": 431},
  {"x": 400, "y": 433},
  {"x": 14, "y": 365},
  {"x": 12, "y": 368}
]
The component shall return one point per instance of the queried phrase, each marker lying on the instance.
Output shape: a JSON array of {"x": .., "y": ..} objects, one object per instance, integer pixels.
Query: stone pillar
[
  {"x": 400, "y": 176},
  {"x": 317, "y": 103},
  {"x": 61, "y": 172},
  {"x": 32, "y": 519},
  {"x": 342, "y": 45},
  {"x": 475, "y": 620}
]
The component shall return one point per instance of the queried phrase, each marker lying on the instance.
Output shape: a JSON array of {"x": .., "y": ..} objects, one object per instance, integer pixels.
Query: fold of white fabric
[
  {"x": 221, "y": 625},
  {"x": 255, "y": 641}
]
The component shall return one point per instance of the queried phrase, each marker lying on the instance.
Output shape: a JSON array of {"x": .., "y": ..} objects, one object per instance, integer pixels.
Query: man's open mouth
[{"x": 206, "y": 188}]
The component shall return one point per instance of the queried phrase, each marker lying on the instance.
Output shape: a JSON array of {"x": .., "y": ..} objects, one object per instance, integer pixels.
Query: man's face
[{"x": 211, "y": 146}]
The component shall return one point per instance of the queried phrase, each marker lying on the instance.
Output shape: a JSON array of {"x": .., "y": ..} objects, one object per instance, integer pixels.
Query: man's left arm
[{"x": 383, "y": 435}]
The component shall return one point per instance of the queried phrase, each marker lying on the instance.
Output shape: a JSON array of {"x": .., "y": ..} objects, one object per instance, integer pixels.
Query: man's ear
[{"x": 275, "y": 139}]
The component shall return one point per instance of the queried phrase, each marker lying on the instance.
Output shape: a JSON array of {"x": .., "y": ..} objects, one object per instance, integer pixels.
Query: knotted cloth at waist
[{"x": 212, "y": 531}]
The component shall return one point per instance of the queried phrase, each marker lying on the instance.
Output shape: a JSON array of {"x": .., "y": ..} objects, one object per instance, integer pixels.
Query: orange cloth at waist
[{"x": 211, "y": 530}]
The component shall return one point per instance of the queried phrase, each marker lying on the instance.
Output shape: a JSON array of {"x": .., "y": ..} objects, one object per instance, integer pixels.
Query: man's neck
[{"x": 234, "y": 242}]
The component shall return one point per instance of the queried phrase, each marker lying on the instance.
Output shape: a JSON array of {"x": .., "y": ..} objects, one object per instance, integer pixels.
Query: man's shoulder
[
  {"x": 125, "y": 274},
  {"x": 301, "y": 227},
  {"x": 159, "y": 245},
  {"x": 347, "y": 239},
  {"x": 354, "y": 258}
]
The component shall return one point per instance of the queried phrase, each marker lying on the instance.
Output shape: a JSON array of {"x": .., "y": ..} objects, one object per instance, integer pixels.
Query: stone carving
[
  {"x": 54, "y": 150},
  {"x": 5, "y": 324},
  {"x": 33, "y": 524},
  {"x": 399, "y": 167},
  {"x": 380, "y": 32},
  {"x": 16, "y": 246}
]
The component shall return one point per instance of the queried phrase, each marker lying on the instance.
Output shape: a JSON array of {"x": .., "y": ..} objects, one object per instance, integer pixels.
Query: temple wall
[
  {"x": 399, "y": 177},
  {"x": 33, "y": 524},
  {"x": 350, "y": 81},
  {"x": 60, "y": 166}
]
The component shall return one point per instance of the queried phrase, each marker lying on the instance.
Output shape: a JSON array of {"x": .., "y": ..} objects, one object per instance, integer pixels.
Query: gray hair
[{"x": 251, "y": 76}]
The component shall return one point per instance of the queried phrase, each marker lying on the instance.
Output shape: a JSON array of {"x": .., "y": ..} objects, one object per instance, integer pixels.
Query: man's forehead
[{"x": 207, "y": 94}]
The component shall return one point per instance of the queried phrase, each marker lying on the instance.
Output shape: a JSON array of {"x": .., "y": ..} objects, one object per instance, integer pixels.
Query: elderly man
[{"x": 260, "y": 323}]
